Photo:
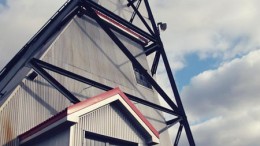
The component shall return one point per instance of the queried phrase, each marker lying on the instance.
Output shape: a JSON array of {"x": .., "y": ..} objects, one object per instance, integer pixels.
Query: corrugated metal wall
[
  {"x": 109, "y": 121},
  {"x": 85, "y": 49},
  {"x": 31, "y": 103}
]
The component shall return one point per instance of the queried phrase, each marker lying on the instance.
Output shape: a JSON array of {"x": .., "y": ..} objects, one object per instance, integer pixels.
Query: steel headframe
[
  {"x": 157, "y": 45},
  {"x": 93, "y": 10}
]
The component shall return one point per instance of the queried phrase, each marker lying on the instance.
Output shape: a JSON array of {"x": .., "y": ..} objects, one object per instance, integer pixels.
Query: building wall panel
[
  {"x": 83, "y": 48},
  {"x": 31, "y": 103},
  {"x": 109, "y": 121}
]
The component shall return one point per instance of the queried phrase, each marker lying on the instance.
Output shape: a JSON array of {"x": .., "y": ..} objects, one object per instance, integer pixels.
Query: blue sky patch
[
  {"x": 194, "y": 66},
  {"x": 3, "y": 2}
]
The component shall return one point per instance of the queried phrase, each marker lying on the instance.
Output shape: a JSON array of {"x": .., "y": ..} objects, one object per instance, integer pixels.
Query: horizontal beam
[
  {"x": 174, "y": 121},
  {"x": 100, "y": 86},
  {"x": 151, "y": 48}
]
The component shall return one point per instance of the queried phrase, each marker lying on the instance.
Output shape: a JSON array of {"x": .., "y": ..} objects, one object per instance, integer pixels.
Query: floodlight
[{"x": 163, "y": 26}]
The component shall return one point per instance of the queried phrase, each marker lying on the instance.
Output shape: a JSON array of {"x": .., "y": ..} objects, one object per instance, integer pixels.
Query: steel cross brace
[
  {"x": 134, "y": 13},
  {"x": 141, "y": 17},
  {"x": 121, "y": 46},
  {"x": 54, "y": 82},
  {"x": 41, "y": 64},
  {"x": 98, "y": 85}
]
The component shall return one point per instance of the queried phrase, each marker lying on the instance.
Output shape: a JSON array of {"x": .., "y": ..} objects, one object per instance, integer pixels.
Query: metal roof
[{"x": 72, "y": 113}]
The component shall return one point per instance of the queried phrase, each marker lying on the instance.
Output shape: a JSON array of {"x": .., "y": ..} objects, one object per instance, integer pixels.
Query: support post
[{"x": 155, "y": 63}]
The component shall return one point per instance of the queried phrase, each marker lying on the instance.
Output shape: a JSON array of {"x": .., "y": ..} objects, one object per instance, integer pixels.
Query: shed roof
[{"x": 72, "y": 113}]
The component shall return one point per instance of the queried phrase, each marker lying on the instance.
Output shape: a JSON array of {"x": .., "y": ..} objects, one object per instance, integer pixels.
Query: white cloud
[
  {"x": 221, "y": 29},
  {"x": 225, "y": 103},
  {"x": 20, "y": 20}
]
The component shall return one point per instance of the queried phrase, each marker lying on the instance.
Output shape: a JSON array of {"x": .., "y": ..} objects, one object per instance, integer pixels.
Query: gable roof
[{"x": 71, "y": 115}]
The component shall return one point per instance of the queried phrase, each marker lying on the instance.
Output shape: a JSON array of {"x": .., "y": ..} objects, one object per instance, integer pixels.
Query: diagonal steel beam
[
  {"x": 120, "y": 31},
  {"x": 177, "y": 96},
  {"x": 132, "y": 1},
  {"x": 131, "y": 57},
  {"x": 141, "y": 18},
  {"x": 170, "y": 76},
  {"x": 99, "y": 85},
  {"x": 31, "y": 48},
  {"x": 178, "y": 135},
  {"x": 54, "y": 82},
  {"x": 119, "y": 19},
  {"x": 150, "y": 15},
  {"x": 134, "y": 13}
]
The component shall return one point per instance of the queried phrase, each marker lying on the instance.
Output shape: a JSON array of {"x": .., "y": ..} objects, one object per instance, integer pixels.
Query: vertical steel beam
[
  {"x": 155, "y": 63},
  {"x": 170, "y": 76},
  {"x": 130, "y": 57},
  {"x": 150, "y": 15},
  {"x": 177, "y": 96},
  {"x": 54, "y": 82}
]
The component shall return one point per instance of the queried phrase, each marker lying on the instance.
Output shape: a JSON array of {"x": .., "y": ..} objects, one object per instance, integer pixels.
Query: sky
[{"x": 214, "y": 51}]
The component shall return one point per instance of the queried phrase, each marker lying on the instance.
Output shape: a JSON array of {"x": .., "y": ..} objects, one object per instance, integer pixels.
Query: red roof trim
[
  {"x": 122, "y": 26},
  {"x": 90, "y": 101},
  {"x": 43, "y": 125},
  {"x": 103, "y": 96},
  {"x": 156, "y": 133},
  {"x": 86, "y": 103}
]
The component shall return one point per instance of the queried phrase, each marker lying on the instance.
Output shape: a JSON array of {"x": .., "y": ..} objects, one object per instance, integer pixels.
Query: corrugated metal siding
[
  {"x": 85, "y": 49},
  {"x": 32, "y": 103},
  {"x": 101, "y": 60},
  {"x": 109, "y": 121}
]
